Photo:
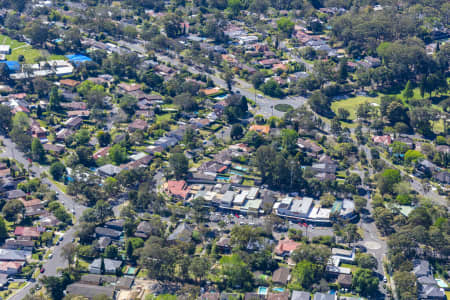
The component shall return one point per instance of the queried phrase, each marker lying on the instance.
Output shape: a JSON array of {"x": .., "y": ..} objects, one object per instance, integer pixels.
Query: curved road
[{"x": 51, "y": 265}]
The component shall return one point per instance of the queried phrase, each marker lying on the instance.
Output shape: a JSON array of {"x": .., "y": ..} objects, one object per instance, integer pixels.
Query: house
[
  {"x": 115, "y": 224},
  {"x": 69, "y": 83},
  {"x": 254, "y": 296},
  {"x": 165, "y": 142},
  {"x": 442, "y": 177},
  {"x": 263, "y": 129},
  {"x": 182, "y": 233},
  {"x": 91, "y": 279},
  {"x": 329, "y": 168},
  {"x": 37, "y": 130},
  {"x": 224, "y": 244},
  {"x": 54, "y": 148},
  {"x": 79, "y": 113},
  {"x": 286, "y": 247},
  {"x": 210, "y": 296},
  {"x": 73, "y": 122},
  {"x": 108, "y": 170},
  {"x": 12, "y": 244},
  {"x": 102, "y": 243},
  {"x": 27, "y": 232},
  {"x": 344, "y": 280},
  {"x": 15, "y": 194},
  {"x": 128, "y": 88},
  {"x": 102, "y": 152},
  {"x": 143, "y": 230},
  {"x": 424, "y": 168},
  {"x": 63, "y": 134},
  {"x": 107, "y": 232},
  {"x": 322, "y": 296},
  {"x": 431, "y": 292},
  {"x": 49, "y": 221},
  {"x": 74, "y": 105},
  {"x": 278, "y": 296},
  {"x": 14, "y": 255},
  {"x": 125, "y": 283},
  {"x": 5, "y": 49},
  {"x": 300, "y": 295},
  {"x": 138, "y": 124},
  {"x": 90, "y": 291},
  {"x": 309, "y": 146},
  {"x": 421, "y": 268},
  {"x": 385, "y": 140},
  {"x": 33, "y": 207},
  {"x": 406, "y": 140},
  {"x": 111, "y": 266},
  {"x": 11, "y": 267},
  {"x": 281, "y": 276},
  {"x": 178, "y": 188}
]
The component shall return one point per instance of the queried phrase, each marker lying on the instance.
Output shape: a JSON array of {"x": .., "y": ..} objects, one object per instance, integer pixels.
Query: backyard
[{"x": 20, "y": 48}]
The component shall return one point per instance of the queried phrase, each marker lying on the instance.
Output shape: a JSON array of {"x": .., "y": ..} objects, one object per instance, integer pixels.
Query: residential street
[{"x": 51, "y": 266}]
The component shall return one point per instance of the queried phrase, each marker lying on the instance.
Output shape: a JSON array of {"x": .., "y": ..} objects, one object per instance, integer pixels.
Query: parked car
[{"x": 42, "y": 270}]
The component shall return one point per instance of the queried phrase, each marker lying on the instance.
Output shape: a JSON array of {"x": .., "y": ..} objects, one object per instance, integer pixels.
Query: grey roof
[
  {"x": 91, "y": 279},
  {"x": 103, "y": 242},
  {"x": 421, "y": 267},
  {"x": 300, "y": 295},
  {"x": 182, "y": 233},
  {"x": 322, "y": 296},
  {"x": 280, "y": 275},
  {"x": 15, "y": 194},
  {"x": 125, "y": 282},
  {"x": 109, "y": 170},
  {"x": 110, "y": 264},
  {"x": 428, "y": 291},
  {"x": 8, "y": 254},
  {"x": 102, "y": 231},
  {"x": 89, "y": 291}
]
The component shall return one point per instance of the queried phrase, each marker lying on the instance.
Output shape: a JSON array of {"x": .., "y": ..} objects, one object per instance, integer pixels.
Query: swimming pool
[
  {"x": 277, "y": 289},
  {"x": 262, "y": 290},
  {"x": 236, "y": 173},
  {"x": 223, "y": 178},
  {"x": 240, "y": 168}
]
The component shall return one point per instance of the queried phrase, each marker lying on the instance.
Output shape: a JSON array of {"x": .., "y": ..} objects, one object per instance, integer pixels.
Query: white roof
[
  {"x": 253, "y": 192},
  {"x": 5, "y": 47},
  {"x": 240, "y": 198},
  {"x": 319, "y": 213},
  {"x": 301, "y": 206}
]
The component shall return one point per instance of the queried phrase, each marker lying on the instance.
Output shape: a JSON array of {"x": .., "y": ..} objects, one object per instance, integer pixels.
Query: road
[
  {"x": 52, "y": 265},
  {"x": 265, "y": 105}
]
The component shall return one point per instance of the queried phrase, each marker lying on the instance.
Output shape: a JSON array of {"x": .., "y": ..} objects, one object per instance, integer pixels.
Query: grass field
[
  {"x": 30, "y": 54},
  {"x": 351, "y": 104}
]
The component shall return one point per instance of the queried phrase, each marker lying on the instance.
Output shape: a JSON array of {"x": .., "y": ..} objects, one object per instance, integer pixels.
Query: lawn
[
  {"x": 351, "y": 104},
  {"x": 19, "y": 48}
]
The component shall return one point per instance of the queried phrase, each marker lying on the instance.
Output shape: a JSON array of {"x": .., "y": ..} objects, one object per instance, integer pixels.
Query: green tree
[
  {"x": 104, "y": 138},
  {"x": 118, "y": 154},
  {"x": 111, "y": 251},
  {"x": 37, "y": 150},
  {"x": 366, "y": 261},
  {"x": 54, "y": 99},
  {"x": 199, "y": 267},
  {"x": 103, "y": 211},
  {"x": 412, "y": 156},
  {"x": 286, "y": 26},
  {"x": 57, "y": 170},
  {"x": 54, "y": 286},
  {"x": 387, "y": 180},
  {"x": 289, "y": 140},
  {"x": 130, "y": 250},
  {"x": 405, "y": 285},
  {"x": 408, "y": 92},
  {"x": 12, "y": 210},
  {"x": 304, "y": 275},
  {"x": 364, "y": 282},
  {"x": 236, "y": 131},
  {"x": 3, "y": 230},
  {"x": 234, "y": 6},
  {"x": 179, "y": 164},
  {"x": 68, "y": 252}
]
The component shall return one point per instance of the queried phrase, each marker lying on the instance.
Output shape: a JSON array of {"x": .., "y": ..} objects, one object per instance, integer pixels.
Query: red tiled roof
[
  {"x": 286, "y": 246},
  {"x": 178, "y": 188},
  {"x": 27, "y": 231}
]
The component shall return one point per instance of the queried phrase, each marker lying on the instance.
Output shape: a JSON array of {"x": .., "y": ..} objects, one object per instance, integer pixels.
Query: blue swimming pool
[
  {"x": 278, "y": 289},
  {"x": 262, "y": 290}
]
